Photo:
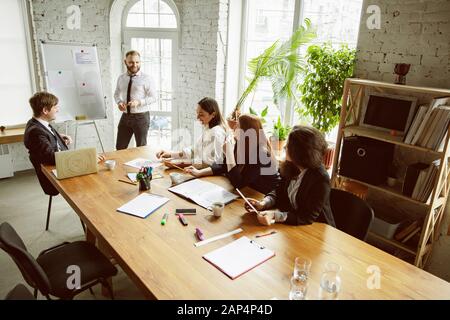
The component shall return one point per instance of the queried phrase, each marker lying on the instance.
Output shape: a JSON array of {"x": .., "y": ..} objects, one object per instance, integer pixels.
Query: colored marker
[
  {"x": 182, "y": 219},
  {"x": 164, "y": 219},
  {"x": 199, "y": 234}
]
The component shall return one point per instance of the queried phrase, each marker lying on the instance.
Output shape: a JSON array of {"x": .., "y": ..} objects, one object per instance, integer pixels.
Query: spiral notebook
[{"x": 238, "y": 257}]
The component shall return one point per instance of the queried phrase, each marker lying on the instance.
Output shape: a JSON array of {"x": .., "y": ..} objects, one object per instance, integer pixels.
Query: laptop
[{"x": 73, "y": 163}]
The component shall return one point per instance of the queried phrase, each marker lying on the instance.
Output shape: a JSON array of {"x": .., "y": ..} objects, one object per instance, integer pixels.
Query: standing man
[{"x": 135, "y": 91}]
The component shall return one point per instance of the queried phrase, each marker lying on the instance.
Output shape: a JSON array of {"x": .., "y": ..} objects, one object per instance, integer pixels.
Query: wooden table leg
[
  {"x": 90, "y": 237},
  {"x": 103, "y": 248}
]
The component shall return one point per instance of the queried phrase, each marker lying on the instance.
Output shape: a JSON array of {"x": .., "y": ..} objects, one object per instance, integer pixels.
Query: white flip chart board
[{"x": 72, "y": 73}]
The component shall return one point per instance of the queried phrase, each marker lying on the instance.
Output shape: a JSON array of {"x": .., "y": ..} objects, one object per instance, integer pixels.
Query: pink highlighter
[{"x": 199, "y": 234}]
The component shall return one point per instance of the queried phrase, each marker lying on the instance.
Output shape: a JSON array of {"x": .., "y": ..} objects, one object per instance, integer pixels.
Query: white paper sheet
[
  {"x": 143, "y": 205},
  {"x": 238, "y": 257},
  {"x": 140, "y": 162}
]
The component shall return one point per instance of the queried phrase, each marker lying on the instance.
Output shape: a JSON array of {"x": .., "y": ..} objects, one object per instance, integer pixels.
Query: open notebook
[
  {"x": 143, "y": 205},
  {"x": 238, "y": 257},
  {"x": 203, "y": 193}
]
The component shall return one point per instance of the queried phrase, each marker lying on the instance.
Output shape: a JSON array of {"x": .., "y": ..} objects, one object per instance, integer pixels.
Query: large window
[
  {"x": 16, "y": 78},
  {"x": 151, "y": 28},
  {"x": 336, "y": 21}
]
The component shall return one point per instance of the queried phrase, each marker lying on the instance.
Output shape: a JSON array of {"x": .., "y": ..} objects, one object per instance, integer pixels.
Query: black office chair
[
  {"x": 352, "y": 215},
  {"x": 48, "y": 273},
  {"x": 20, "y": 292},
  {"x": 47, "y": 187}
]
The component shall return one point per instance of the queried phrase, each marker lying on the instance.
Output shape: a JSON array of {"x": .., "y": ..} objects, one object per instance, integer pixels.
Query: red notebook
[{"x": 238, "y": 257}]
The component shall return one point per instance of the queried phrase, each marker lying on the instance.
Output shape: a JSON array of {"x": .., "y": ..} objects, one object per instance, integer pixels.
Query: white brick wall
[
  {"x": 416, "y": 32},
  {"x": 201, "y": 59},
  {"x": 412, "y": 31}
]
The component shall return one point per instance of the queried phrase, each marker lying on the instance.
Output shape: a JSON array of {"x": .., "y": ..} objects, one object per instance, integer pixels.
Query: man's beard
[{"x": 131, "y": 72}]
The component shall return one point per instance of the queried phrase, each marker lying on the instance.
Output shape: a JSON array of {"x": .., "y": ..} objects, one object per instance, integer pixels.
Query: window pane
[
  {"x": 167, "y": 21},
  {"x": 164, "y": 8},
  {"x": 156, "y": 60},
  {"x": 138, "y": 7},
  {"x": 336, "y": 20},
  {"x": 151, "y": 14},
  {"x": 267, "y": 21},
  {"x": 151, "y": 6},
  {"x": 16, "y": 89},
  {"x": 151, "y": 21},
  {"x": 135, "y": 20}
]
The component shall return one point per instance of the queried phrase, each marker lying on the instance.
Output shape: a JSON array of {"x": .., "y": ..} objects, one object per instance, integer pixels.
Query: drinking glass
[
  {"x": 330, "y": 282},
  {"x": 301, "y": 268},
  {"x": 298, "y": 289}
]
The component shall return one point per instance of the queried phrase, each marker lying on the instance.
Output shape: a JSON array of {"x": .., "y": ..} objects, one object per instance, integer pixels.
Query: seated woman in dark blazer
[
  {"x": 303, "y": 195},
  {"x": 249, "y": 162}
]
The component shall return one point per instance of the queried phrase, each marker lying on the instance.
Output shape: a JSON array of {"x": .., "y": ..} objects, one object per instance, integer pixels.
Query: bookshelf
[{"x": 352, "y": 101}]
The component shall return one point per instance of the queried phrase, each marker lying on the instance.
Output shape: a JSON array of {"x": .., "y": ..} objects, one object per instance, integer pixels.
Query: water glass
[
  {"x": 298, "y": 289},
  {"x": 330, "y": 282},
  {"x": 302, "y": 267}
]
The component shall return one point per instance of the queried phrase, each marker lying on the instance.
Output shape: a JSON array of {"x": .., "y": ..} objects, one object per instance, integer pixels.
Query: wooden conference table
[{"x": 164, "y": 263}]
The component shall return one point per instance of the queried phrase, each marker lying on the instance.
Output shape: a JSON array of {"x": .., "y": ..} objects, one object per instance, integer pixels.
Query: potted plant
[
  {"x": 280, "y": 133},
  {"x": 323, "y": 85},
  {"x": 282, "y": 64}
]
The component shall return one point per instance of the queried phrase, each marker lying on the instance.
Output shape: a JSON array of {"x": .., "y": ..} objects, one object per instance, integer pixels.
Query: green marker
[{"x": 164, "y": 219}]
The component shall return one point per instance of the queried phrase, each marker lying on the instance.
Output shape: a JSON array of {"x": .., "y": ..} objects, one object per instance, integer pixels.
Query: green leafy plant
[
  {"x": 282, "y": 64},
  {"x": 322, "y": 88},
  {"x": 280, "y": 131},
  {"x": 262, "y": 115}
]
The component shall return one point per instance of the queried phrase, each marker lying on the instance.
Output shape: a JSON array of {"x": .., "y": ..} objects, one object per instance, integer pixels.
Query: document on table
[
  {"x": 203, "y": 193},
  {"x": 238, "y": 257},
  {"x": 143, "y": 205},
  {"x": 140, "y": 162}
]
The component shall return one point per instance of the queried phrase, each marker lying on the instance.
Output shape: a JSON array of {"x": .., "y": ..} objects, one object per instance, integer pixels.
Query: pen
[
  {"x": 164, "y": 219},
  {"x": 177, "y": 166},
  {"x": 199, "y": 234},
  {"x": 266, "y": 234},
  {"x": 127, "y": 182}
]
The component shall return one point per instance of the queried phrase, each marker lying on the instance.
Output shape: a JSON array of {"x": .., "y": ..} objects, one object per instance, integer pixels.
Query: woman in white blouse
[{"x": 209, "y": 147}]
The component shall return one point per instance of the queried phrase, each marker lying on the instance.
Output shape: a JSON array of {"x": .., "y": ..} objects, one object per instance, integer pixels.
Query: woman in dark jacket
[
  {"x": 303, "y": 195},
  {"x": 249, "y": 162}
]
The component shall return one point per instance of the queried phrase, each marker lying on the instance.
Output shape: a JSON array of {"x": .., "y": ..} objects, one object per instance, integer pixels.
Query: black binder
[{"x": 412, "y": 173}]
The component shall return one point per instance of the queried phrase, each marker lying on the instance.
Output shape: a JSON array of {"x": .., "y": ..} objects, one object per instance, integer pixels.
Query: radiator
[{"x": 6, "y": 163}]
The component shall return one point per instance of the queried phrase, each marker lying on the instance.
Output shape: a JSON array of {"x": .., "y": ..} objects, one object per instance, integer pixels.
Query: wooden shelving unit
[{"x": 353, "y": 96}]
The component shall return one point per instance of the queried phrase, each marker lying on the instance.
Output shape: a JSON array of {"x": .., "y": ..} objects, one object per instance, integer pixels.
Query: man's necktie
[
  {"x": 59, "y": 141},
  {"x": 129, "y": 93}
]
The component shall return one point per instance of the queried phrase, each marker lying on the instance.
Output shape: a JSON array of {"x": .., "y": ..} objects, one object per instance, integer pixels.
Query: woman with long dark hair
[
  {"x": 249, "y": 162},
  {"x": 303, "y": 195}
]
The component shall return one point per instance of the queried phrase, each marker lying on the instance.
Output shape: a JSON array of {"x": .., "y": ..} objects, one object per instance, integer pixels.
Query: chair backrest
[
  {"x": 31, "y": 271},
  {"x": 20, "y": 292},
  {"x": 46, "y": 185},
  {"x": 352, "y": 214}
]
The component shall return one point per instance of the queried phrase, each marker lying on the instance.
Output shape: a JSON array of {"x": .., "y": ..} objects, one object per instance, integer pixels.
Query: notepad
[
  {"x": 143, "y": 205},
  {"x": 203, "y": 193},
  {"x": 238, "y": 257}
]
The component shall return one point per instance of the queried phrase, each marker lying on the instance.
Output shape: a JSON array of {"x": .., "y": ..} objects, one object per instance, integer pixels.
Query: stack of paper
[
  {"x": 238, "y": 257},
  {"x": 143, "y": 205},
  {"x": 140, "y": 162},
  {"x": 203, "y": 193}
]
